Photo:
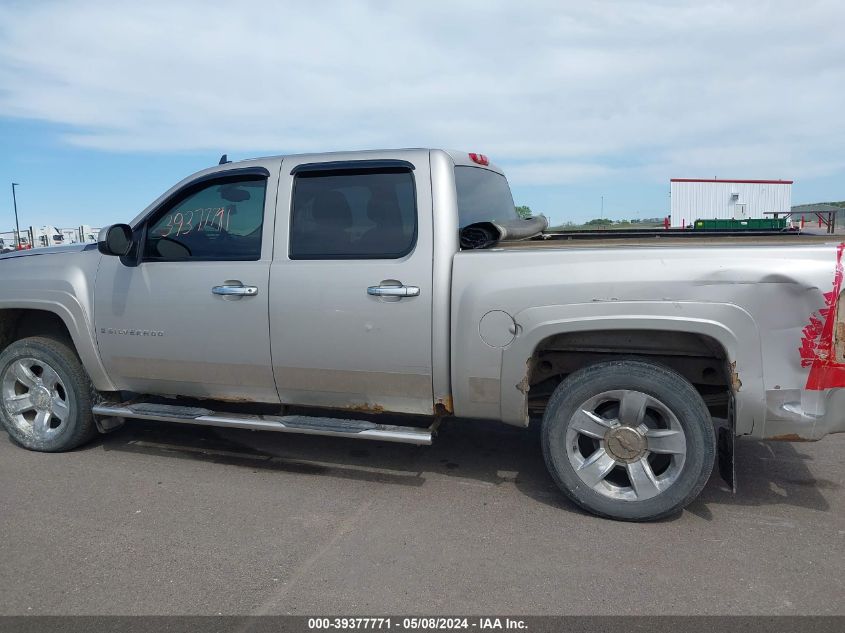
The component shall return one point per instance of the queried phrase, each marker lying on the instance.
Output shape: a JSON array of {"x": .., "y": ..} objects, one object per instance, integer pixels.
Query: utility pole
[
  {"x": 17, "y": 224},
  {"x": 602, "y": 208}
]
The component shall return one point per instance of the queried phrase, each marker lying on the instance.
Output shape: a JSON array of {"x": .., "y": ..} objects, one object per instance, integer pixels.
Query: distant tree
[
  {"x": 598, "y": 222},
  {"x": 524, "y": 211}
]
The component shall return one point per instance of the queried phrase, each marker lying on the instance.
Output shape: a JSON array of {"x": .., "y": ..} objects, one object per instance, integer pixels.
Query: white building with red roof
[{"x": 716, "y": 199}]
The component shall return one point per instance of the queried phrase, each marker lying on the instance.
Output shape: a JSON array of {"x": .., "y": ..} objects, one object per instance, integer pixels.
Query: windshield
[{"x": 483, "y": 196}]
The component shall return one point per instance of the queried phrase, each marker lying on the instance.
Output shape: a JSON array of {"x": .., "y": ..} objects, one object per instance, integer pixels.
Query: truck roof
[{"x": 458, "y": 156}]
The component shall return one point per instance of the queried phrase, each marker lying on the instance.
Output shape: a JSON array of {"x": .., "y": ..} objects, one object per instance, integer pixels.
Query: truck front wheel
[
  {"x": 45, "y": 395},
  {"x": 629, "y": 440}
]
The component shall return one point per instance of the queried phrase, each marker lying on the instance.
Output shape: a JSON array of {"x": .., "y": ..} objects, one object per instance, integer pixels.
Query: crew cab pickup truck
[{"x": 319, "y": 293}]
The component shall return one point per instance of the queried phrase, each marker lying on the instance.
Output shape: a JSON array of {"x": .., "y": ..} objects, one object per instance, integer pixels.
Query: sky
[{"x": 105, "y": 105}]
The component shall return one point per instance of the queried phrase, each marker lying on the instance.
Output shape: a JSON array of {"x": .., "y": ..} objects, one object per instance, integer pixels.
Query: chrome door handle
[
  {"x": 235, "y": 291},
  {"x": 393, "y": 291}
]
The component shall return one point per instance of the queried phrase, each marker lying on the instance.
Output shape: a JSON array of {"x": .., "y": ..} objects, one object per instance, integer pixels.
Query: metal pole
[{"x": 17, "y": 225}]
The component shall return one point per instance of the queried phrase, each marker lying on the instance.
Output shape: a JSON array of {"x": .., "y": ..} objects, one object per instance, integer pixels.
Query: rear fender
[{"x": 730, "y": 325}]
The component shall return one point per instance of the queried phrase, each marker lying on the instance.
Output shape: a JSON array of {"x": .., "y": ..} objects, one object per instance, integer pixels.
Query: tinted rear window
[
  {"x": 353, "y": 214},
  {"x": 483, "y": 196}
]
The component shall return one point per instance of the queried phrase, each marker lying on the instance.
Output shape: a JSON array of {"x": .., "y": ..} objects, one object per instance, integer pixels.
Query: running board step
[{"x": 308, "y": 425}]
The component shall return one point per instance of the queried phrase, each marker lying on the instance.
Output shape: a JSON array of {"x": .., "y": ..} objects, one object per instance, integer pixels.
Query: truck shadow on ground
[{"x": 768, "y": 473}]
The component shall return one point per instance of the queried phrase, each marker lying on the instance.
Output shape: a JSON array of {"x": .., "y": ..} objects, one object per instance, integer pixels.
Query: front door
[
  {"x": 191, "y": 319},
  {"x": 351, "y": 277}
]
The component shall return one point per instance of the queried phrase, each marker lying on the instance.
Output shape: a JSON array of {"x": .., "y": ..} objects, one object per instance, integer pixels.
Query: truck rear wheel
[
  {"x": 629, "y": 440},
  {"x": 45, "y": 395}
]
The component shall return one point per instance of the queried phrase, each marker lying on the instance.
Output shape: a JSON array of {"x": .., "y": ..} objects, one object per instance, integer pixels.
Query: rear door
[{"x": 350, "y": 311}]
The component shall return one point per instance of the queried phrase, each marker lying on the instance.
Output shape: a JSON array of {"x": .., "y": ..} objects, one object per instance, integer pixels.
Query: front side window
[
  {"x": 220, "y": 221},
  {"x": 353, "y": 214}
]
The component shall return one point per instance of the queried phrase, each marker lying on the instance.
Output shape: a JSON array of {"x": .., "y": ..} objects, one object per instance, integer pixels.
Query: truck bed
[{"x": 627, "y": 239}]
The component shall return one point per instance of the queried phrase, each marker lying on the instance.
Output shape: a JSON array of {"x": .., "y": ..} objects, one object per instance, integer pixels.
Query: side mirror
[{"x": 115, "y": 240}]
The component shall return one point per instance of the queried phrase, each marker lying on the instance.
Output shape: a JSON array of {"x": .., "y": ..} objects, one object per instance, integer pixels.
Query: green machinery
[{"x": 761, "y": 224}]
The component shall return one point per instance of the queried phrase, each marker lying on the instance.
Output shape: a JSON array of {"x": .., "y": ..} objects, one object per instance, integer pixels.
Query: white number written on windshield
[{"x": 209, "y": 220}]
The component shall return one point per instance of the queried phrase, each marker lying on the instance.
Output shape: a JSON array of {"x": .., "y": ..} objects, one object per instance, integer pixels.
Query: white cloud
[
  {"x": 555, "y": 172},
  {"x": 561, "y": 91}
]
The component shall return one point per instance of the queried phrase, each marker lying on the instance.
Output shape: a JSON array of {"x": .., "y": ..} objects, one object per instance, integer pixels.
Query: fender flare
[
  {"x": 730, "y": 325},
  {"x": 72, "y": 314}
]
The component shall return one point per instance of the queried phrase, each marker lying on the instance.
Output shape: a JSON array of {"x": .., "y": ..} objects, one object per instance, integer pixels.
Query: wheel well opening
[
  {"x": 18, "y": 323},
  {"x": 699, "y": 358}
]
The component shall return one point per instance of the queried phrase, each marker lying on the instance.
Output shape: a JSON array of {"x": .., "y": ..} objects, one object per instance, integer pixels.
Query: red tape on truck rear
[{"x": 818, "y": 351}]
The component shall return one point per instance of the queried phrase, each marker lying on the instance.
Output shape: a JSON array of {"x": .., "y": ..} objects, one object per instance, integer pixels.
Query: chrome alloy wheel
[
  {"x": 35, "y": 398},
  {"x": 626, "y": 445}
]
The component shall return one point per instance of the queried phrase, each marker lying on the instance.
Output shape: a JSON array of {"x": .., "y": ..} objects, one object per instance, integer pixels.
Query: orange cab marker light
[{"x": 481, "y": 159}]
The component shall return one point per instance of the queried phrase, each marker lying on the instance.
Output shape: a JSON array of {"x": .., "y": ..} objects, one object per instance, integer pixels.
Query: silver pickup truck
[{"x": 319, "y": 293}]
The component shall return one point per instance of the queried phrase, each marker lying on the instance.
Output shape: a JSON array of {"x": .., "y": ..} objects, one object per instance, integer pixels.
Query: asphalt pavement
[{"x": 168, "y": 519}]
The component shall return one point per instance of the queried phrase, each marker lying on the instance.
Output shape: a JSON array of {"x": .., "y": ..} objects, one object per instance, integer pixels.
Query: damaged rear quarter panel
[
  {"x": 818, "y": 407},
  {"x": 753, "y": 300}
]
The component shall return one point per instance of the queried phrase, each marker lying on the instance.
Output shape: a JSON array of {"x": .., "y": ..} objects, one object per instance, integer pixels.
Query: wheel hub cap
[
  {"x": 625, "y": 444},
  {"x": 41, "y": 398},
  {"x": 34, "y": 398}
]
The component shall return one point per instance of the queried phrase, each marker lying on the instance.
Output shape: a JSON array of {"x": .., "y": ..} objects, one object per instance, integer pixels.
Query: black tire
[
  {"x": 657, "y": 381},
  {"x": 78, "y": 427}
]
